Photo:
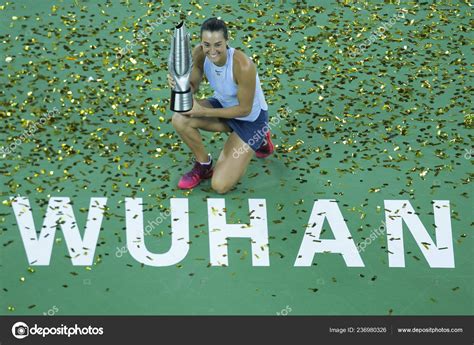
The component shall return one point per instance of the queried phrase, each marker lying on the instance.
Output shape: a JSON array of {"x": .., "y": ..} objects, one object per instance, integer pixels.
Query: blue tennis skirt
[{"x": 252, "y": 133}]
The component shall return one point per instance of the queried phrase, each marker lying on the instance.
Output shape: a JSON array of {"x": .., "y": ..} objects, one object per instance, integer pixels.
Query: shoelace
[{"x": 197, "y": 169}]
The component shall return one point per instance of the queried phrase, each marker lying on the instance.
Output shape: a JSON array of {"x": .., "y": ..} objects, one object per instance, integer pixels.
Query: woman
[{"x": 237, "y": 106}]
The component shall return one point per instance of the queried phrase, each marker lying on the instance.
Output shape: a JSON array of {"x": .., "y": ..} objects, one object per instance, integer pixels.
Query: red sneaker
[
  {"x": 267, "y": 148},
  {"x": 198, "y": 173}
]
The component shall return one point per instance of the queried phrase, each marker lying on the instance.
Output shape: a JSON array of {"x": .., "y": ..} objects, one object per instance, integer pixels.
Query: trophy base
[{"x": 181, "y": 101}]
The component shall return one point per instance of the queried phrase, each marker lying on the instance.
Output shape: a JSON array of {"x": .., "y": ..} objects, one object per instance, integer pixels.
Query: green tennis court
[{"x": 360, "y": 120}]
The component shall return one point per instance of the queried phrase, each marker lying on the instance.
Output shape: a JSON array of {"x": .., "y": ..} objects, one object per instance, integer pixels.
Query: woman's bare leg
[
  {"x": 232, "y": 164},
  {"x": 188, "y": 129}
]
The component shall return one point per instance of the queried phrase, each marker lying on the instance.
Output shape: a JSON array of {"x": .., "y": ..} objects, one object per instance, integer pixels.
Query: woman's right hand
[{"x": 171, "y": 81}]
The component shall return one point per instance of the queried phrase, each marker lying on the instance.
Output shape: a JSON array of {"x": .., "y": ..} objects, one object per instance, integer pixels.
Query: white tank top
[{"x": 221, "y": 79}]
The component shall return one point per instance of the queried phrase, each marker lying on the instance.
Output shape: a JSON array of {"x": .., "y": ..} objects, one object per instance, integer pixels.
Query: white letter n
[{"x": 440, "y": 255}]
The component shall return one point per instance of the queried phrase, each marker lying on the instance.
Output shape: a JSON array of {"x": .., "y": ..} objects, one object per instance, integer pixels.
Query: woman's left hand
[{"x": 196, "y": 111}]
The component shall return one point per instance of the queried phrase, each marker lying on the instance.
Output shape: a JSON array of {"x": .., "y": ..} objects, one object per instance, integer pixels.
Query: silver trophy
[{"x": 180, "y": 65}]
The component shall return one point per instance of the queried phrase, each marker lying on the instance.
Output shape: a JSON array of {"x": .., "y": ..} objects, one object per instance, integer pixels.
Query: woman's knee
[
  {"x": 180, "y": 121},
  {"x": 219, "y": 186}
]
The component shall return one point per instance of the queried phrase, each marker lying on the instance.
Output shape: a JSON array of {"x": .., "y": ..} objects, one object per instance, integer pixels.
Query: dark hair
[{"x": 214, "y": 24}]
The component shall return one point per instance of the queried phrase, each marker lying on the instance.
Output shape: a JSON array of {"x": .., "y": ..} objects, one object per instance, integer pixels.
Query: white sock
[{"x": 209, "y": 162}]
